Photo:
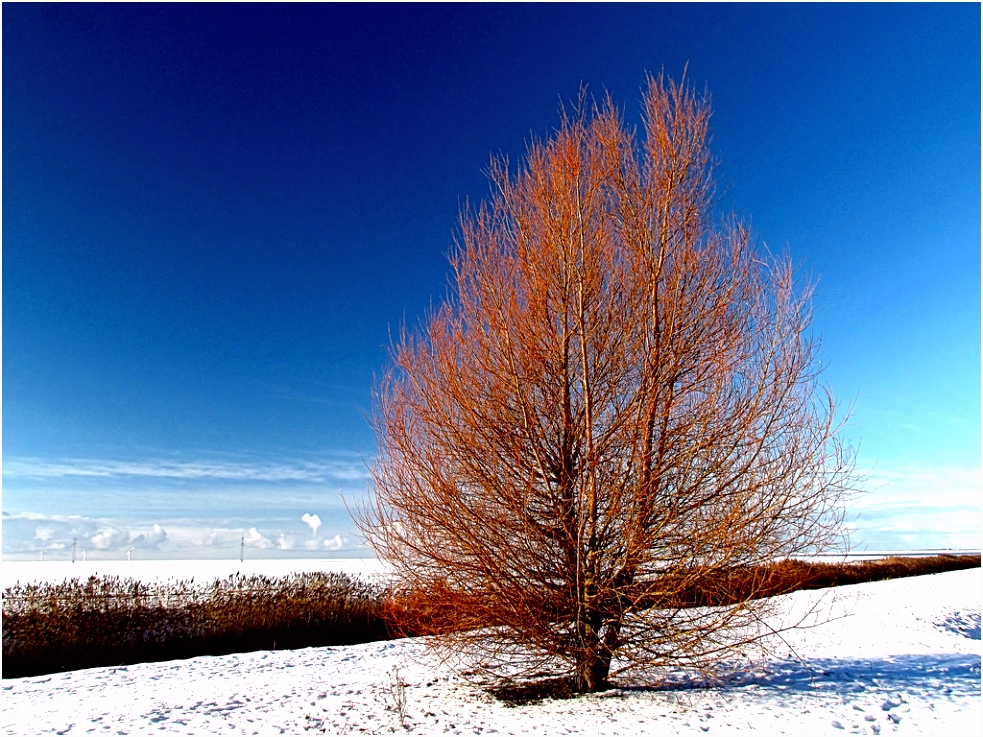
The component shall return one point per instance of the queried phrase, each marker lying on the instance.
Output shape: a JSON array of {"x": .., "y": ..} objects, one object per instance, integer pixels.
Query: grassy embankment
[{"x": 49, "y": 628}]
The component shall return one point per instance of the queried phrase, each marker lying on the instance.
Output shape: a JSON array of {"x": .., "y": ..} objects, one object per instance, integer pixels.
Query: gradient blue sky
[{"x": 214, "y": 216}]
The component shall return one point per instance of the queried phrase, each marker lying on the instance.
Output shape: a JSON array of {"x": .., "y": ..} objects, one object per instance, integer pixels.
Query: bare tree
[{"x": 617, "y": 404}]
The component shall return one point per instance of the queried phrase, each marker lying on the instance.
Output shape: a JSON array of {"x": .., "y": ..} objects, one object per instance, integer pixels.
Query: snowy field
[{"x": 895, "y": 657}]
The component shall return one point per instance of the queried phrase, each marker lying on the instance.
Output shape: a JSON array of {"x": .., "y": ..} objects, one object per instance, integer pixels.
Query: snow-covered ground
[{"x": 904, "y": 660}]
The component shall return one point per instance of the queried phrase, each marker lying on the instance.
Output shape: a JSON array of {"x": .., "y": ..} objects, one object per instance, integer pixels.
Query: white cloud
[
  {"x": 296, "y": 471},
  {"x": 920, "y": 507},
  {"x": 36, "y": 517},
  {"x": 254, "y": 539},
  {"x": 313, "y": 521},
  {"x": 100, "y": 535},
  {"x": 913, "y": 487},
  {"x": 157, "y": 535},
  {"x": 110, "y": 539},
  {"x": 152, "y": 539},
  {"x": 44, "y": 533},
  {"x": 335, "y": 543},
  {"x": 26, "y": 534}
]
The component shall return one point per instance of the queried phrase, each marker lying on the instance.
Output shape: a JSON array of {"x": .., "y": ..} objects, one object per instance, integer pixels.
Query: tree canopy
[{"x": 618, "y": 403}]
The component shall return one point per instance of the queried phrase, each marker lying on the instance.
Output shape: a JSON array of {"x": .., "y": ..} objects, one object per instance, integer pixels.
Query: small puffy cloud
[
  {"x": 114, "y": 538},
  {"x": 110, "y": 539},
  {"x": 43, "y": 534},
  {"x": 313, "y": 521},
  {"x": 152, "y": 539},
  {"x": 334, "y": 543},
  {"x": 157, "y": 535},
  {"x": 284, "y": 543},
  {"x": 254, "y": 539}
]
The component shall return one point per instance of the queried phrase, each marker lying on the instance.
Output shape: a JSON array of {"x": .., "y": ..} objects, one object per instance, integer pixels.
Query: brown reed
[{"x": 108, "y": 621}]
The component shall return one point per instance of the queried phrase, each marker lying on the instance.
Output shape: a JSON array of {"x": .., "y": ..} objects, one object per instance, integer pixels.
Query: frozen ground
[{"x": 904, "y": 660}]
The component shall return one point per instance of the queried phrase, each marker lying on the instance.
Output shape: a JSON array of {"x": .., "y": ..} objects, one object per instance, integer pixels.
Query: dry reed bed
[
  {"x": 108, "y": 621},
  {"x": 76, "y": 624},
  {"x": 730, "y": 586}
]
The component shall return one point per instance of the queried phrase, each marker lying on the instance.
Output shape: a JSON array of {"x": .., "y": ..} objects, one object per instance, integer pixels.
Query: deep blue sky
[{"x": 214, "y": 216}]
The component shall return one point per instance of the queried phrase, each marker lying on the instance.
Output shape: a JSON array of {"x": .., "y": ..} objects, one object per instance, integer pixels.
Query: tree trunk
[
  {"x": 592, "y": 673},
  {"x": 594, "y": 663}
]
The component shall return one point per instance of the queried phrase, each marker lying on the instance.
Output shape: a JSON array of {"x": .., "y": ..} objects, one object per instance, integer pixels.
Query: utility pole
[
  {"x": 242, "y": 549},
  {"x": 75, "y": 543},
  {"x": 43, "y": 551},
  {"x": 129, "y": 550}
]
